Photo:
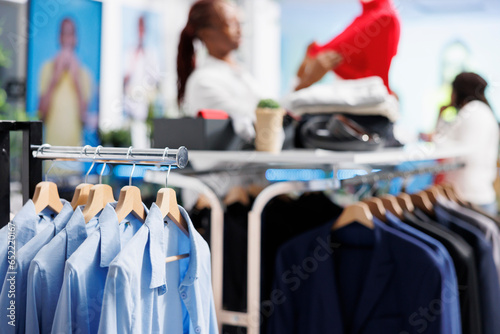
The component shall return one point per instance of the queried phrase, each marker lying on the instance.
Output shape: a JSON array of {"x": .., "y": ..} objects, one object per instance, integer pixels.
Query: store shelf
[{"x": 202, "y": 160}]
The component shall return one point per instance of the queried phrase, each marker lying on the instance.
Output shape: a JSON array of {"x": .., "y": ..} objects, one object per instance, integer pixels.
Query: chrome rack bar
[
  {"x": 120, "y": 155},
  {"x": 387, "y": 176}
]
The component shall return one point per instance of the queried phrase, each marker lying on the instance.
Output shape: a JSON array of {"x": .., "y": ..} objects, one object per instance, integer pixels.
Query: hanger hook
[
  {"x": 102, "y": 172},
  {"x": 40, "y": 149},
  {"x": 97, "y": 150},
  {"x": 165, "y": 152},
  {"x": 133, "y": 166},
  {"x": 168, "y": 173}
]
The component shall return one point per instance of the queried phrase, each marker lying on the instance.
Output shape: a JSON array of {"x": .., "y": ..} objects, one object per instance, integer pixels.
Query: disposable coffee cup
[{"x": 269, "y": 129}]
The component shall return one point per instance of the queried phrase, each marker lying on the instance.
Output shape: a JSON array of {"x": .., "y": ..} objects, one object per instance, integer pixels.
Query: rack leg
[
  {"x": 4, "y": 177},
  {"x": 31, "y": 170}
]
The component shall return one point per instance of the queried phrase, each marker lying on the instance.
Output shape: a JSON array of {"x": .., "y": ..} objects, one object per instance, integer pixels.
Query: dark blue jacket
[
  {"x": 489, "y": 289},
  {"x": 355, "y": 280}
]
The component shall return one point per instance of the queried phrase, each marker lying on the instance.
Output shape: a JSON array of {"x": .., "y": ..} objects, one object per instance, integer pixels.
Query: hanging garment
[
  {"x": 489, "y": 289},
  {"x": 25, "y": 225},
  {"x": 355, "y": 280},
  {"x": 46, "y": 272},
  {"x": 465, "y": 266},
  {"x": 80, "y": 300},
  {"x": 483, "y": 223},
  {"x": 20, "y": 276},
  {"x": 145, "y": 295},
  {"x": 451, "y": 322}
]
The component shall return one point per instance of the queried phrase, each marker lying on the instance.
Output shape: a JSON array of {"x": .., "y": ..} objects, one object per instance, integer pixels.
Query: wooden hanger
[
  {"x": 391, "y": 204},
  {"x": 237, "y": 194},
  {"x": 82, "y": 191},
  {"x": 405, "y": 202},
  {"x": 99, "y": 196},
  {"x": 81, "y": 195},
  {"x": 357, "y": 212},
  {"x": 451, "y": 192},
  {"x": 46, "y": 194},
  {"x": 130, "y": 200},
  {"x": 203, "y": 202},
  {"x": 166, "y": 200},
  {"x": 376, "y": 207},
  {"x": 421, "y": 200}
]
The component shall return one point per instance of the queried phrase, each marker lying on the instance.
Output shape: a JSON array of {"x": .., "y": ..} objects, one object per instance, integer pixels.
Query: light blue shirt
[
  {"x": 25, "y": 225},
  {"x": 144, "y": 294},
  {"x": 46, "y": 272},
  {"x": 13, "y": 305},
  {"x": 79, "y": 305}
]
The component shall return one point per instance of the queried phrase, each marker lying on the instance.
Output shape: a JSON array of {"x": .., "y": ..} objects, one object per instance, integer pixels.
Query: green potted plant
[{"x": 269, "y": 126}]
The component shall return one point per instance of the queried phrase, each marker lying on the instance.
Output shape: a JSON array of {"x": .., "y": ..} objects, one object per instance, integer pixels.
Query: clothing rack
[
  {"x": 120, "y": 155},
  {"x": 33, "y": 153},
  {"x": 252, "y": 318},
  {"x": 375, "y": 177}
]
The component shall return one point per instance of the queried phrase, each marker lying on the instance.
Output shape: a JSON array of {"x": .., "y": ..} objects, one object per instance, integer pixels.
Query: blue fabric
[
  {"x": 491, "y": 209},
  {"x": 451, "y": 320},
  {"x": 23, "y": 260},
  {"x": 145, "y": 295},
  {"x": 79, "y": 305},
  {"x": 400, "y": 293},
  {"x": 489, "y": 289},
  {"x": 46, "y": 272},
  {"x": 25, "y": 225}
]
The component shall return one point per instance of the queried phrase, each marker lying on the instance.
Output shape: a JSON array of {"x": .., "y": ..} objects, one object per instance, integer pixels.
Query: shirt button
[
  {"x": 184, "y": 296},
  {"x": 197, "y": 329}
]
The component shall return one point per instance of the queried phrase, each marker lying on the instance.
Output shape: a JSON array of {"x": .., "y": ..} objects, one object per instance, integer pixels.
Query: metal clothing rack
[
  {"x": 251, "y": 319},
  {"x": 34, "y": 153}
]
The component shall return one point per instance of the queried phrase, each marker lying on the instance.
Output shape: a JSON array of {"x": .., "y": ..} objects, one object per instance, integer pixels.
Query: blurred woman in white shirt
[
  {"x": 476, "y": 128},
  {"x": 219, "y": 83}
]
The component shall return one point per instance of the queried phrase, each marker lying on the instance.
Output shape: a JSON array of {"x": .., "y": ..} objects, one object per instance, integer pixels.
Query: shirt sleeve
[
  {"x": 68, "y": 318},
  {"x": 117, "y": 306},
  {"x": 33, "y": 300}
]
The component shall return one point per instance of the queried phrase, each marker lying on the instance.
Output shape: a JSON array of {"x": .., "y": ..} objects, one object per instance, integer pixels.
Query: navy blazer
[
  {"x": 399, "y": 294},
  {"x": 489, "y": 289}
]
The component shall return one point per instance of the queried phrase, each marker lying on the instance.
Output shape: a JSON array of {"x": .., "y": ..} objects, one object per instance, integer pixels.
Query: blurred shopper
[
  {"x": 65, "y": 91},
  {"x": 365, "y": 48},
  {"x": 219, "y": 83},
  {"x": 476, "y": 128}
]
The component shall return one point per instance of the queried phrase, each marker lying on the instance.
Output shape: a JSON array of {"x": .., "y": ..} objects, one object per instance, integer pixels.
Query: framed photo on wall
[{"x": 63, "y": 75}]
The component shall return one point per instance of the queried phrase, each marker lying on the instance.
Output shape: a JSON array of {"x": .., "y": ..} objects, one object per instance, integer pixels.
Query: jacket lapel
[{"x": 378, "y": 277}]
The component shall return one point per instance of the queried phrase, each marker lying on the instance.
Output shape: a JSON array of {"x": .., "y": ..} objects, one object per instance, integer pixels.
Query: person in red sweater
[{"x": 365, "y": 48}]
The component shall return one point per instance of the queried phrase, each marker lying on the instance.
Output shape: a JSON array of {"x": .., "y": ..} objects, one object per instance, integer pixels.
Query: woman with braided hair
[{"x": 219, "y": 83}]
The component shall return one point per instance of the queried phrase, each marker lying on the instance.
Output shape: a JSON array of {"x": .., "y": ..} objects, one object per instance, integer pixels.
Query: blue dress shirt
[
  {"x": 46, "y": 272},
  {"x": 451, "y": 320},
  {"x": 79, "y": 305},
  {"x": 144, "y": 294},
  {"x": 489, "y": 290},
  {"x": 25, "y": 225},
  {"x": 23, "y": 259}
]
